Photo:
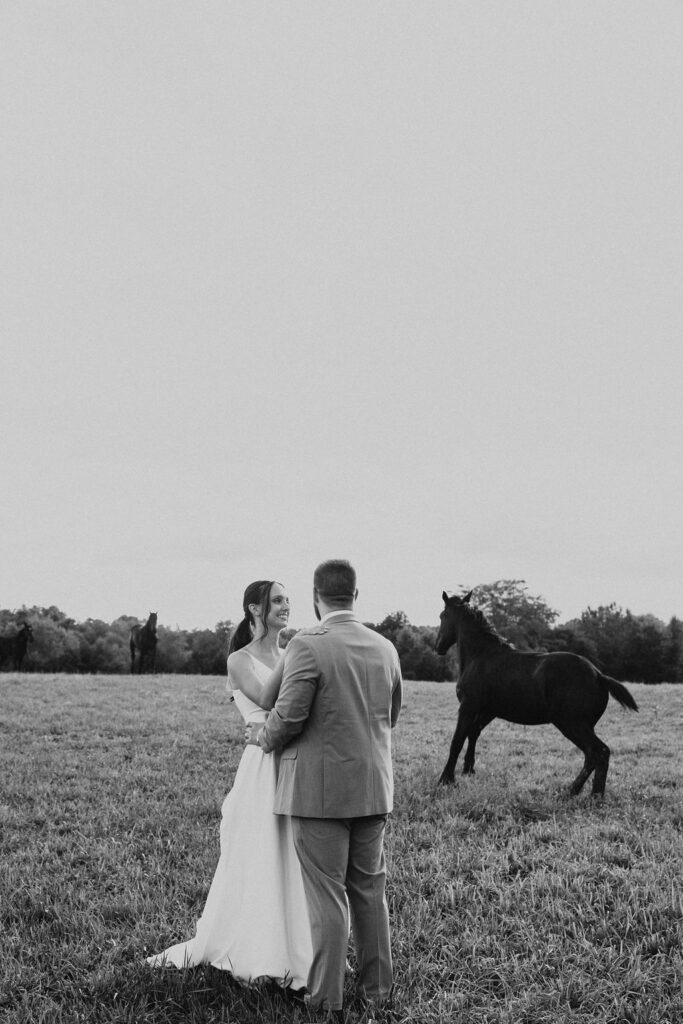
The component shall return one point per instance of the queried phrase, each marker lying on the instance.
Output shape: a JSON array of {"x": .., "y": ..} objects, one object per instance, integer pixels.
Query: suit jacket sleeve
[{"x": 293, "y": 705}]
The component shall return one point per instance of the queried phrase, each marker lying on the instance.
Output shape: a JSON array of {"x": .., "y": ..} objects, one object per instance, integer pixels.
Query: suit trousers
[{"x": 340, "y": 858}]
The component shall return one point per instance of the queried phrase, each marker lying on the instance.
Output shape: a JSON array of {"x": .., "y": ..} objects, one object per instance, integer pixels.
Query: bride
[{"x": 255, "y": 921}]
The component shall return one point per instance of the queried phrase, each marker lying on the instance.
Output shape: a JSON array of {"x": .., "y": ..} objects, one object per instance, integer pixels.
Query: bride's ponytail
[{"x": 241, "y": 636}]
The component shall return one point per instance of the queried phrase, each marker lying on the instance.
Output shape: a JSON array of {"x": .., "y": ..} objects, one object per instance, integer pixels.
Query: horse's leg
[
  {"x": 596, "y": 756},
  {"x": 478, "y": 725},
  {"x": 572, "y": 734},
  {"x": 601, "y": 756},
  {"x": 459, "y": 736},
  {"x": 580, "y": 780}
]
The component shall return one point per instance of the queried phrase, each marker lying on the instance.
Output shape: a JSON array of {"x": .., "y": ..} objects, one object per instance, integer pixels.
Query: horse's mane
[{"x": 486, "y": 628}]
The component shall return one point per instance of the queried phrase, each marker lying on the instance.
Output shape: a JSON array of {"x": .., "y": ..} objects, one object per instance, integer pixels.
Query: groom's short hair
[{"x": 335, "y": 581}]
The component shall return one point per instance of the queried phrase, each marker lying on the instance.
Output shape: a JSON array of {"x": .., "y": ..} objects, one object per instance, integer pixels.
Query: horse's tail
[{"x": 619, "y": 692}]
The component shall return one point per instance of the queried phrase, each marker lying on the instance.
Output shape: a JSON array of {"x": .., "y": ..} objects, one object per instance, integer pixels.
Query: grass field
[{"x": 509, "y": 902}]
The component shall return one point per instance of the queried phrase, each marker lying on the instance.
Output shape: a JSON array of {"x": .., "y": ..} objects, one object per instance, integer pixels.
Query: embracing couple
[{"x": 302, "y": 830}]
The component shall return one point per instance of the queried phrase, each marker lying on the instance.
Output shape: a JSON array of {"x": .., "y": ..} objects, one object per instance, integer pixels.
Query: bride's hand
[{"x": 251, "y": 732}]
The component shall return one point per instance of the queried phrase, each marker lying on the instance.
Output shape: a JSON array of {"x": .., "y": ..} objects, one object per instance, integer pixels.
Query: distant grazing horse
[
  {"x": 13, "y": 648},
  {"x": 496, "y": 681},
  {"x": 143, "y": 645}
]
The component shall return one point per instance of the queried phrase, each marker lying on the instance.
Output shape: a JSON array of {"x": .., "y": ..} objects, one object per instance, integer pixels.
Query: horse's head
[
  {"x": 152, "y": 622},
  {"x": 450, "y": 619}
]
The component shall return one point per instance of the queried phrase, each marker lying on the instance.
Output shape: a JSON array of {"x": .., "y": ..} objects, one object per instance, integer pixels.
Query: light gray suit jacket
[{"x": 339, "y": 700}]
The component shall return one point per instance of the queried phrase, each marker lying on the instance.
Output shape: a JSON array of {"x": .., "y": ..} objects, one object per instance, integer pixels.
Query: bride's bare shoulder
[
  {"x": 238, "y": 655},
  {"x": 239, "y": 660}
]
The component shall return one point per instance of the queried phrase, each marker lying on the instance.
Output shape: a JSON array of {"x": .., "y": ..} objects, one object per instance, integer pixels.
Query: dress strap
[{"x": 258, "y": 664}]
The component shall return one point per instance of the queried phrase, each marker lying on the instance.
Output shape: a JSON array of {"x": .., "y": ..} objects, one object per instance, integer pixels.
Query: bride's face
[{"x": 278, "y": 613}]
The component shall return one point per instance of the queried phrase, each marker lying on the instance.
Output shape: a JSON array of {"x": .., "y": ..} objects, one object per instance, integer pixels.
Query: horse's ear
[
  {"x": 444, "y": 596},
  {"x": 466, "y": 598}
]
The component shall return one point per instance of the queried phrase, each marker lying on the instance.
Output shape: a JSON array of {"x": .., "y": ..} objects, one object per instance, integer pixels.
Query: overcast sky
[{"x": 397, "y": 282}]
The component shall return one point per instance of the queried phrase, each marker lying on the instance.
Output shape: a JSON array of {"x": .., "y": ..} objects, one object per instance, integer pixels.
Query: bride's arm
[{"x": 242, "y": 676}]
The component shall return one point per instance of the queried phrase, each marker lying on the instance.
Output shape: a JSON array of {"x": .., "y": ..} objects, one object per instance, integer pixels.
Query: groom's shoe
[
  {"x": 321, "y": 1014},
  {"x": 302, "y": 997},
  {"x": 378, "y": 1012}
]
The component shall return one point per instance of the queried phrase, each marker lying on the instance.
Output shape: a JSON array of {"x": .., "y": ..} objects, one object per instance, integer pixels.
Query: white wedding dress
[{"x": 255, "y": 921}]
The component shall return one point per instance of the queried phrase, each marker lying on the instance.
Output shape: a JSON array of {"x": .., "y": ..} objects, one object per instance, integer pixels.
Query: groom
[{"x": 340, "y": 697}]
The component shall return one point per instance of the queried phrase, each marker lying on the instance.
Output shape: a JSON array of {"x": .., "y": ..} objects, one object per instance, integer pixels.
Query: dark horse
[
  {"x": 13, "y": 648},
  {"x": 496, "y": 681},
  {"x": 143, "y": 645}
]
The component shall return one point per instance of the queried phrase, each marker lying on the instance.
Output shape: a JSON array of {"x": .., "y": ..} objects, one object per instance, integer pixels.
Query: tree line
[
  {"x": 639, "y": 648},
  {"x": 60, "y": 644}
]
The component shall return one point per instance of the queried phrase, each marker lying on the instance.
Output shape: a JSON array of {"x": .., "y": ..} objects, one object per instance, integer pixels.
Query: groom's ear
[{"x": 355, "y": 596}]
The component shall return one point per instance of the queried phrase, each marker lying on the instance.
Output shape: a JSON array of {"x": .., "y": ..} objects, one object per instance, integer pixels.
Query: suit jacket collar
[{"x": 345, "y": 615}]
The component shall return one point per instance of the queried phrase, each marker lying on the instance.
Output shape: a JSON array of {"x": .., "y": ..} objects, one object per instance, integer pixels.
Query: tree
[
  {"x": 419, "y": 660},
  {"x": 569, "y": 637},
  {"x": 673, "y": 651},
  {"x": 624, "y": 645},
  {"x": 173, "y": 650},
  {"x": 522, "y": 618},
  {"x": 391, "y": 626},
  {"x": 643, "y": 657},
  {"x": 415, "y": 646},
  {"x": 56, "y": 647},
  {"x": 102, "y": 648},
  {"x": 209, "y": 650},
  {"x": 607, "y": 627}
]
